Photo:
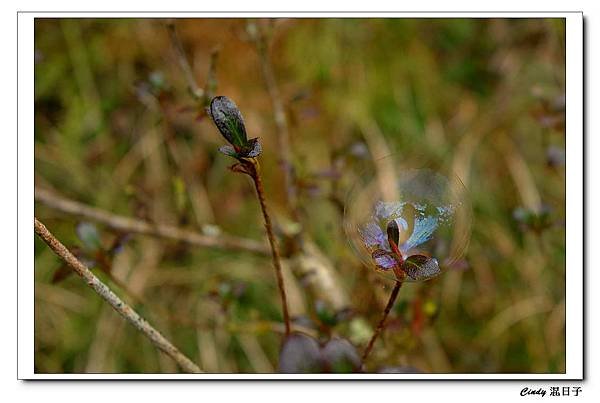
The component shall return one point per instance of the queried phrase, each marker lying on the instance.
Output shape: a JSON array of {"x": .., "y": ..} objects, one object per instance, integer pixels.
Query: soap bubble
[{"x": 409, "y": 224}]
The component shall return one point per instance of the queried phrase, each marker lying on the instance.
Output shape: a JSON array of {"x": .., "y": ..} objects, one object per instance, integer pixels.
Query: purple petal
[
  {"x": 372, "y": 235},
  {"x": 384, "y": 260}
]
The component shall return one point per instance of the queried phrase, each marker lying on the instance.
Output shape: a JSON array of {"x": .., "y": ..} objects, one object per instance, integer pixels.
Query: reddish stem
[
  {"x": 381, "y": 324},
  {"x": 252, "y": 170}
]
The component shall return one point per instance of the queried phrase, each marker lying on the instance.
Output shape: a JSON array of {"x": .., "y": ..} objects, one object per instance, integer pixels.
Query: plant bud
[{"x": 228, "y": 119}]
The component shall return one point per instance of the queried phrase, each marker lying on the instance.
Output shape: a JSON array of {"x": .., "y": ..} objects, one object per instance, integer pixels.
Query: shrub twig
[
  {"x": 196, "y": 92},
  {"x": 200, "y": 95},
  {"x": 381, "y": 324},
  {"x": 117, "y": 303},
  {"x": 128, "y": 224},
  {"x": 251, "y": 168},
  {"x": 229, "y": 121},
  {"x": 283, "y": 134}
]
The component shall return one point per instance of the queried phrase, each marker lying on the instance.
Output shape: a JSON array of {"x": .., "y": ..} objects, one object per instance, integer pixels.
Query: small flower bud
[{"x": 228, "y": 119}]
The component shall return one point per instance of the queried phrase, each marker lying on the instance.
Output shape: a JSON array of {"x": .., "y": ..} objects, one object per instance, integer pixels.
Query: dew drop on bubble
[{"x": 409, "y": 224}]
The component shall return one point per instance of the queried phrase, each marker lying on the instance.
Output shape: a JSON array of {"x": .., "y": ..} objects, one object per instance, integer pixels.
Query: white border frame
[{"x": 574, "y": 197}]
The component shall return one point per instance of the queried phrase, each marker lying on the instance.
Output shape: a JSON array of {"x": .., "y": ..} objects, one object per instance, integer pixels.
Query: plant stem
[
  {"x": 133, "y": 225},
  {"x": 255, "y": 174},
  {"x": 381, "y": 324},
  {"x": 197, "y": 92},
  {"x": 117, "y": 303},
  {"x": 283, "y": 134}
]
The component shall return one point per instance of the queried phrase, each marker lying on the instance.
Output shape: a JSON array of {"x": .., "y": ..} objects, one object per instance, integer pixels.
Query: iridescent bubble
[{"x": 409, "y": 224}]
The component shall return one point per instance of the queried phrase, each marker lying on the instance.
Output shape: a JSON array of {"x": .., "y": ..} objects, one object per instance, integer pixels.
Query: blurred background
[{"x": 120, "y": 132}]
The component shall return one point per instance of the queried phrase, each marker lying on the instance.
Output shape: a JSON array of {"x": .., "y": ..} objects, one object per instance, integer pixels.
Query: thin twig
[
  {"x": 196, "y": 92},
  {"x": 118, "y": 304},
  {"x": 201, "y": 95},
  {"x": 308, "y": 258},
  {"x": 195, "y": 189},
  {"x": 283, "y": 135},
  {"x": 381, "y": 324},
  {"x": 127, "y": 224},
  {"x": 253, "y": 170}
]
